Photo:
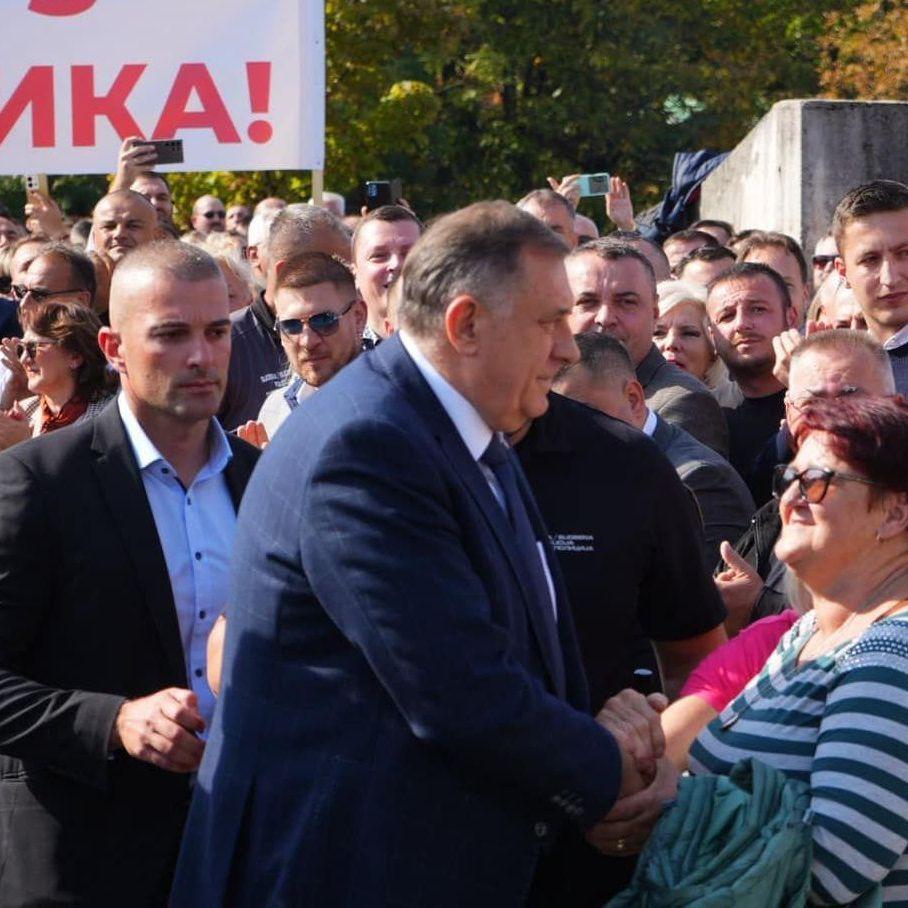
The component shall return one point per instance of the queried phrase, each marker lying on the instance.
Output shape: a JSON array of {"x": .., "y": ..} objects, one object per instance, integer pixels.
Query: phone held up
[
  {"x": 382, "y": 192},
  {"x": 592, "y": 184},
  {"x": 37, "y": 182},
  {"x": 169, "y": 151}
]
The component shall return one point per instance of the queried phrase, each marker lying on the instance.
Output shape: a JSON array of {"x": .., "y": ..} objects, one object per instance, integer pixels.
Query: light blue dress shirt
[{"x": 196, "y": 527}]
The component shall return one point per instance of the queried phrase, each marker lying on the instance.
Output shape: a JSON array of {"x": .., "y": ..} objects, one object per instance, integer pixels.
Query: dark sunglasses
[
  {"x": 813, "y": 482},
  {"x": 821, "y": 261},
  {"x": 324, "y": 324},
  {"x": 20, "y": 291},
  {"x": 215, "y": 214},
  {"x": 31, "y": 348}
]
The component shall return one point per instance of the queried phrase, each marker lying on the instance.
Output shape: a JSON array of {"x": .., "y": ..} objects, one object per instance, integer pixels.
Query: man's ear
[
  {"x": 359, "y": 314},
  {"x": 791, "y": 316},
  {"x": 840, "y": 267},
  {"x": 463, "y": 320},
  {"x": 633, "y": 391},
  {"x": 109, "y": 342}
]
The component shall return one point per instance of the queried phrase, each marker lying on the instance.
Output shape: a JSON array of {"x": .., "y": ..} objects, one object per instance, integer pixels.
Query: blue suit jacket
[{"x": 392, "y": 730}]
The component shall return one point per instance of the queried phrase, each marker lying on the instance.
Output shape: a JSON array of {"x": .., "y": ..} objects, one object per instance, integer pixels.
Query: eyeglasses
[
  {"x": 324, "y": 324},
  {"x": 30, "y": 348},
  {"x": 214, "y": 214},
  {"x": 821, "y": 261},
  {"x": 813, "y": 482},
  {"x": 20, "y": 291},
  {"x": 808, "y": 397}
]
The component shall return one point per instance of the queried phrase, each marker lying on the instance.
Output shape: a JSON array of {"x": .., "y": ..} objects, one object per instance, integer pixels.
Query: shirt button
[
  {"x": 541, "y": 830},
  {"x": 165, "y": 471},
  {"x": 202, "y": 615},
  {"x": 198, "y": 673},
  {"x": 188, "y": 500},
  {"x": 198, "y": 556}
]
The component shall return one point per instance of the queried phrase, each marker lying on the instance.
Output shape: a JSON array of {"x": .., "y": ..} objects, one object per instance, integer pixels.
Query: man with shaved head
[
  {"x": 121, "y": 221},
  {"x": 208, "y": 215},
  {"x": 258, "y": 364},
  {"x": 103, "y": 701}
]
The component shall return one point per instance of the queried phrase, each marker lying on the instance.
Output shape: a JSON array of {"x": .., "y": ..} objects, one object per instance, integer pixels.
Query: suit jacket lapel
[
  {"x": 124, "y": 494},
  {"x": 403, "y": 372}
]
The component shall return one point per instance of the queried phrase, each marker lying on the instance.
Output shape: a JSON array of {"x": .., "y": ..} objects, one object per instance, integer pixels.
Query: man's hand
[
  {"x": 43, "y": 216},
  {"x": 786, "y": 343},
  {"x": 739, "y": 586},
  {"x": 628, "y": 826},
  {"x": 634, "y": 722},
  {"x": 618, "y": 205},
  {"x": 135, "y": 156},
  {"x": 161, "y": 729},
  {"x": 214, "y": 654},
  {"x": 254, "y": 433},
  {"x": 569, "y": 187},
  {"x": 16, "y": 387},
  {"x": 14, "y": 427}
]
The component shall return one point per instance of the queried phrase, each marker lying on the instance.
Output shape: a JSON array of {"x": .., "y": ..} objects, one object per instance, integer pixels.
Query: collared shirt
[
  {"x": 472, "y": 428},
  {"x": 196, "y": 527},
  {"x": 900, "y": 338},
  {"x": 649, "y": 427}
]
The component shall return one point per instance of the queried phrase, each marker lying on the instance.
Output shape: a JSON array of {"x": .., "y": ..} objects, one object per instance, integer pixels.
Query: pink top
[{"x": 724, "y": 673}]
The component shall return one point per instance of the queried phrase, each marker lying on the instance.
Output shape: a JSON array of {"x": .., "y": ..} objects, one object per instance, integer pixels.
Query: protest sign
[{"x": 242, "y": 84}]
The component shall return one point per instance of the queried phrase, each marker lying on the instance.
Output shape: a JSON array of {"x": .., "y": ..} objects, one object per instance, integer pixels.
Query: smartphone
[
  {"x": 169, "y": 151},
  {"x": 37, "y": 182},
  {"x": 593, "y": 184},
  {"x": 382, "y": 192}
]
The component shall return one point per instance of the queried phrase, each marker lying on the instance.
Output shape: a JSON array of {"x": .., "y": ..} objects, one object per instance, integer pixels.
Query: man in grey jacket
[{"x": 614, "y": 291}]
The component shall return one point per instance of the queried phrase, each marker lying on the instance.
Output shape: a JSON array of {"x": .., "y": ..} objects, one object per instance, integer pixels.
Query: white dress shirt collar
[
  {"x": 471, "y": 427},
  {"x": 649, "y": 427},
  {"x": 147, "y": 454},
  {"x": 899, "y": 339}
]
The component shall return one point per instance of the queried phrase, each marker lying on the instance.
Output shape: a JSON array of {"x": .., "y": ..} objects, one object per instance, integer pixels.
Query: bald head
[
  {"x": 123, "y": 221},
  {"x": 209, "y": 215},
  {"x": 152, "y": 263}
]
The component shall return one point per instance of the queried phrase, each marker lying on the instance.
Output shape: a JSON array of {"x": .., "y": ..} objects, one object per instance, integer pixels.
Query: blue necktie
[{"x": 498, "y": 458}]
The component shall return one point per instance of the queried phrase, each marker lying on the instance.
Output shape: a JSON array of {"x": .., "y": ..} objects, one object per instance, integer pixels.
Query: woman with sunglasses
[
  {"x": 830, "y": 707},
  {"x": 63, "y": 366}
]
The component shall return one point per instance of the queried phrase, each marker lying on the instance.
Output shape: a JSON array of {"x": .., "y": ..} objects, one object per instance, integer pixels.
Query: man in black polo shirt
[
  {"x": 258, "y": 363},
  {"x": 628, "y": 542},
  {"x": 748, "y": 306}
]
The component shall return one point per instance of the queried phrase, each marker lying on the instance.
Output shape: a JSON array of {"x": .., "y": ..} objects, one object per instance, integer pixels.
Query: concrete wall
[{"x": 791, "y": 169}]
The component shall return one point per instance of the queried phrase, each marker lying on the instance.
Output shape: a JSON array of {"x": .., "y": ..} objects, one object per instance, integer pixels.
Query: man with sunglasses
[
  {"x": 824, "y": 256},
  {"x": 208, "y": 215},
  {"x": 320, "y": 320},
  {"x": 829, "y": 364}
]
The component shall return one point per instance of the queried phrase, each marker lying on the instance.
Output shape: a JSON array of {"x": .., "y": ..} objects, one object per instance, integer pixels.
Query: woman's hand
[{"x": 16, "y": 386}]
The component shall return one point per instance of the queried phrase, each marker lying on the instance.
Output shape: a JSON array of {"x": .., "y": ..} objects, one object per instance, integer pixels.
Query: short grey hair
[
  {"x": 294, "y": 227},
  {"x": 850, "y": 343},
  {"x": 475, "y": 251},
  {"x": 604, "y": 357}
]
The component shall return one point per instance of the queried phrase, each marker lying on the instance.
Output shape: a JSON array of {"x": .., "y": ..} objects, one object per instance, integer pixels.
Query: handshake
[{"x": 648, "y": 778}]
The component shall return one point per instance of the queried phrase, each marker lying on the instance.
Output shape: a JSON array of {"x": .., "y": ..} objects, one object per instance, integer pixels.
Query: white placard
[{"x": 241, "y": 83}]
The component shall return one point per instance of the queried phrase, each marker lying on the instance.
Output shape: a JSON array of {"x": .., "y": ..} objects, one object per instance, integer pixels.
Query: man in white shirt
[{"x": 871, "y": 230}]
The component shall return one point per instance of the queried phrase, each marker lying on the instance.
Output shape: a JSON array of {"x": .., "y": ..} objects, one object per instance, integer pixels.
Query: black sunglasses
[
  {"x": 30, "y": 348},
  {"x": 813, "y": 482},
  {"x": 215, "y": 214},
  {"x": 821, "y": 261},
  {"x": 20, "y": 291},
  {"x": 324, "y": 324}
]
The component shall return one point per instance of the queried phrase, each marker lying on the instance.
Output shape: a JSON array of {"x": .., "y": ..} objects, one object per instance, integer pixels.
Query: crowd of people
[{"x": 384, "y": 562}]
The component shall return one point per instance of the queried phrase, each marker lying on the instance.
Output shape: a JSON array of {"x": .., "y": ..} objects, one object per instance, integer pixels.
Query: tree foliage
[
  {"x": 865, "y": 52},
  {"x": 469, "y": 99}
]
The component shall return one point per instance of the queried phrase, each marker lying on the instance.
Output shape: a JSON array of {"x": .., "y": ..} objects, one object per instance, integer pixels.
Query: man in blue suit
[{"x": 404, "y": 715}]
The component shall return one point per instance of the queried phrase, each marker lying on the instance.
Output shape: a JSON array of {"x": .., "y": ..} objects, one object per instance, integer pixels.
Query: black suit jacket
[{"x": 87, "y": 619}]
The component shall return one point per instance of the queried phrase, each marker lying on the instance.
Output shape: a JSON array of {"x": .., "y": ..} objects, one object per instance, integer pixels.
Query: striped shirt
[{"x": 840, "y": 723}]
